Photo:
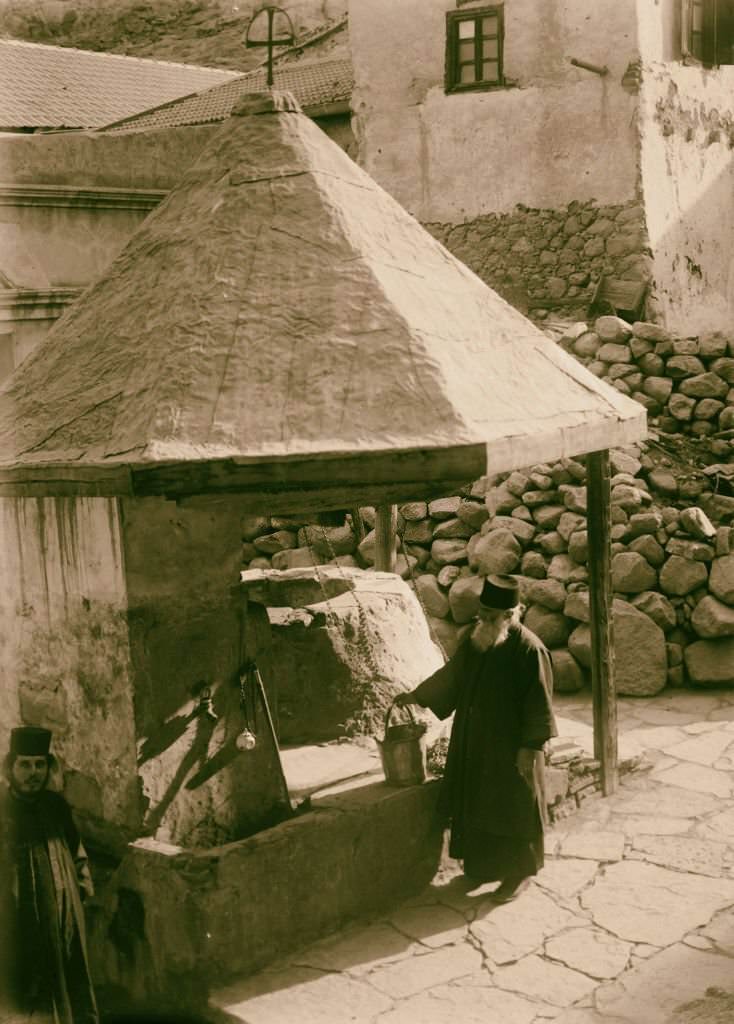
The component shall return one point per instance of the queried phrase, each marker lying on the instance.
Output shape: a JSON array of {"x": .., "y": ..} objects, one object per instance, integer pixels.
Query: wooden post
[
  {"x": 386, "y": 528},
  {"x": 600, "y": 593}
]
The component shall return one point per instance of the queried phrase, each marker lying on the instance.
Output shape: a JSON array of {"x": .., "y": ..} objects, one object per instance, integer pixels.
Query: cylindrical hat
[
  {"x": 30, "y": 741},
  {"x": 500, "y": 591}
]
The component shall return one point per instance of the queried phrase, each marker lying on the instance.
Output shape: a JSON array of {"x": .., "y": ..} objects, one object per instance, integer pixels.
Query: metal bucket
[{"x": 402, "y": 751}]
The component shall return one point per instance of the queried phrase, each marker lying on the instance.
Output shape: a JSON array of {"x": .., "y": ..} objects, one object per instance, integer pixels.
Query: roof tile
[
  {"x": 313, "y": 83},
  {"x": 60, "y": 87}
]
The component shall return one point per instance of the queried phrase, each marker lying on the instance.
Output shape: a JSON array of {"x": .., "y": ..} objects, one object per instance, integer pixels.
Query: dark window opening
[
  {"x": 474, "y": 49},
  {"x": 709, "y": 31}
]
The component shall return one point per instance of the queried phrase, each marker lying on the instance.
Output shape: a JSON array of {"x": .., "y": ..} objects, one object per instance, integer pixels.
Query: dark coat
[
  {"x": 44, "y": 957},
  {"x": 502, "y": 699}
]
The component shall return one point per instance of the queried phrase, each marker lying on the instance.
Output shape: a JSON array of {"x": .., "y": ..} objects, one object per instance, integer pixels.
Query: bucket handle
[{"x": 406, "y": 707}]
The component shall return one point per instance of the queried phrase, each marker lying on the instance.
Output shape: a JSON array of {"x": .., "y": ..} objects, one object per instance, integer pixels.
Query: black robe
[
  {"x": 42, "y": 935},
  {"x": 502, "y": 702}
]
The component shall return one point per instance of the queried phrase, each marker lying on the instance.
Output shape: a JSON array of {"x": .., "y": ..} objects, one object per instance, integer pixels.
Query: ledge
[
  {"x": 29, "y": 304},
  {"x": 84, "y": 198}
]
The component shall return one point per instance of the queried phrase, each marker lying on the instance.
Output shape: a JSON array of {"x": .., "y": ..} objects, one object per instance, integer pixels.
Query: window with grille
[
  {"x": 474, "y": 49},
  {"x": 708, "y": 31}
]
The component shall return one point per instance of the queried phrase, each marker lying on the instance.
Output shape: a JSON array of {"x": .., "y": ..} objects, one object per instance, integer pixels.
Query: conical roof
[{"x": 282, "y": 328}]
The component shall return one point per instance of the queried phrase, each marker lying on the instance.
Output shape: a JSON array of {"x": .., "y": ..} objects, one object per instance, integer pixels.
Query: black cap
[
  {"x": 30, "y": 741},
  {"x": 500, "y": 591}
]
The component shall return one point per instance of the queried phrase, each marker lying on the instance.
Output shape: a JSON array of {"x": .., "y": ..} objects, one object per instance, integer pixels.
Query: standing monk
[
  {"x": 499, "y": 682},
  {"x": 43, "y": 878}
]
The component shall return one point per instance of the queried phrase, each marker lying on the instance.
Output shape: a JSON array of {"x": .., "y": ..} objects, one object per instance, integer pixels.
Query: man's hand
[
  {"x": 525, "y": 763},
  {"x": 404, "y": 698}
]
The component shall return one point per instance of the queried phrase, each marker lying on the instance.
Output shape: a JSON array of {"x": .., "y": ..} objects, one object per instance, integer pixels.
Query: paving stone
[
  {"x": 719, "y": 827},
  {"x": 599, "y": 846},
  {"x": 644, "y": 950},
  {"x": 300, "y": 994},
  {"x": 508, "y": 932},
  {"x": 656, "y": 991},
  {"x": 356, "y": 949},
  {"x": 669, "y": 802},
  {"x": 643, "y": 825},
  {"x": 646, "y": 903},
  {"x": 590, "y": 951},
  {"x": 566, "y": 876},
  {"x": 407, "y": 977},
  {"x": 658, "y": 737},
  {"x": 701, "y": 749},
  {"x": 683, "y": 853},
  {"x": 696, "y": 941},
  {"x": 697, "y": 778},
  {"x": 538, "y": 978},
  {"x": 434, "y": 926},
  {"x": 664, "y": 716},
  {"x": 721, "y": 932},
  {"x": 465, "y": 1005}
]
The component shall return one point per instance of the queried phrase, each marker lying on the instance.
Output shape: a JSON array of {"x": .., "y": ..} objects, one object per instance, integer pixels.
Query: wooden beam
[
  {"x": 600, "y": 594},
  {"x": 300, "y": 483},
  {"x": 386, "y": 526}
]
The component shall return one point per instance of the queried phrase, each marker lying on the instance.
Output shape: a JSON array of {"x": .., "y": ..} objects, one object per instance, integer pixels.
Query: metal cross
[{"x": 283, "y": 39}]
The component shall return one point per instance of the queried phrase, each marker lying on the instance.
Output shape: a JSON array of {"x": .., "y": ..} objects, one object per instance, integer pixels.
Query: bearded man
[
  {"x": 499, "y": 682},
  {"x": 43, "y": 878}
]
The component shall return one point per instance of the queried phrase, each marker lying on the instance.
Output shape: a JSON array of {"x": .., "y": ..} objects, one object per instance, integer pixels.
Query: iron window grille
[{"x": 474, "y": 42}]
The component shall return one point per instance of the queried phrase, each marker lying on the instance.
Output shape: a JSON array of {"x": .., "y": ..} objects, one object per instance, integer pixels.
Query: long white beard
[{"x": 489, "y": 634}]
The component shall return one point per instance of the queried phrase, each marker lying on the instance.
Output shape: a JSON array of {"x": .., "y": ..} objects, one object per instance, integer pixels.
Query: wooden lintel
[
  {"x": 600, "y": 595},
  {"x": 278, "y": 485}
]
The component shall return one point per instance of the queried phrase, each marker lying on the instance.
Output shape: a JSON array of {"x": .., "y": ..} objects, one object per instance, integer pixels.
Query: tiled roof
[
  {"x": 59, "y": 87},
  {"x": 313, "y": 83}
]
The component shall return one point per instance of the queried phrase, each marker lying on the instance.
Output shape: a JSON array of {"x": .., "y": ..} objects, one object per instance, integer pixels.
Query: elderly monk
[
  {"x": 43, "y": 879},
  {"x": 499, "y": 683}
]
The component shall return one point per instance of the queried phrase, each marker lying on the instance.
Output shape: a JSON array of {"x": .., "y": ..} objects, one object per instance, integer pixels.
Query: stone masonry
[
  {"x": 672, "y": 534},
  {"x": 552, "y": 259}
]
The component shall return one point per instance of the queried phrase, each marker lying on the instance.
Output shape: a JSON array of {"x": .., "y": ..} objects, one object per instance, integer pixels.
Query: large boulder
[
  {"x": 551, "y": 627},
  {"x": 640, "y": 659},
  {"x": 341, "y": 659},
  {"x": 464, "y": 598},
  {"x": 712, "y": 618},
  {"x": 711, "y": 662},
  {"x": 497, "y": 551},
  {"x": 433, "y": 600},
  {"x": 632, "y": 573},
  {"x": 330, "y": 541},
  {"x": 721, "y": 581},
  {"x": 657, "y": 607},
  {"x": 568, "y": 676},
  {"x": 548, "y": 593},
  {"x": 679, "y": 576},
  {"x": 448, "y": 552}
]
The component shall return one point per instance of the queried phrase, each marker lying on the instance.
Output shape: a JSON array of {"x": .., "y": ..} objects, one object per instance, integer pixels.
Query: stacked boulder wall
[
  {"x": 640, "y": 658},
  {"x": 339, "y": 661}
]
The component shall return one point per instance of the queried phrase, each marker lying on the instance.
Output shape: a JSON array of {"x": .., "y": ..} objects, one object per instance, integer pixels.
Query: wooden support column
[
  {"x": 600, "y": 593},
  {"x": 386, "y": 528}
]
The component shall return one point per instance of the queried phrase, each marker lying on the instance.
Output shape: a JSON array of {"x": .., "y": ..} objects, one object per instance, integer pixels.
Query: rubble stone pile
[
  {"x": 687, "y": 383},
  {"x": 672, "y": 534}
]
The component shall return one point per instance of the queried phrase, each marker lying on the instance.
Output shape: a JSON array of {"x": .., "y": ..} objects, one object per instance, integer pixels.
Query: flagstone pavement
[{"x": 631, "y": 921}]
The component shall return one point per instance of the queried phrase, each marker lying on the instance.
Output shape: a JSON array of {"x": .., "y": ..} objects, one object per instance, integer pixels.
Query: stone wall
[
  {"x": 552, "y": 259},
  {"x": 672, "y": 532}
]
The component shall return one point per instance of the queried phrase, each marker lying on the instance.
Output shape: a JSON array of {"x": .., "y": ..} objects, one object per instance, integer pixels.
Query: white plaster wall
[
  {"x": 659, "y": 29},
  {"x": 688, "y": 182},
  {"x": 562, "y": 134},
  {"x": 63, "y": 643}
]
